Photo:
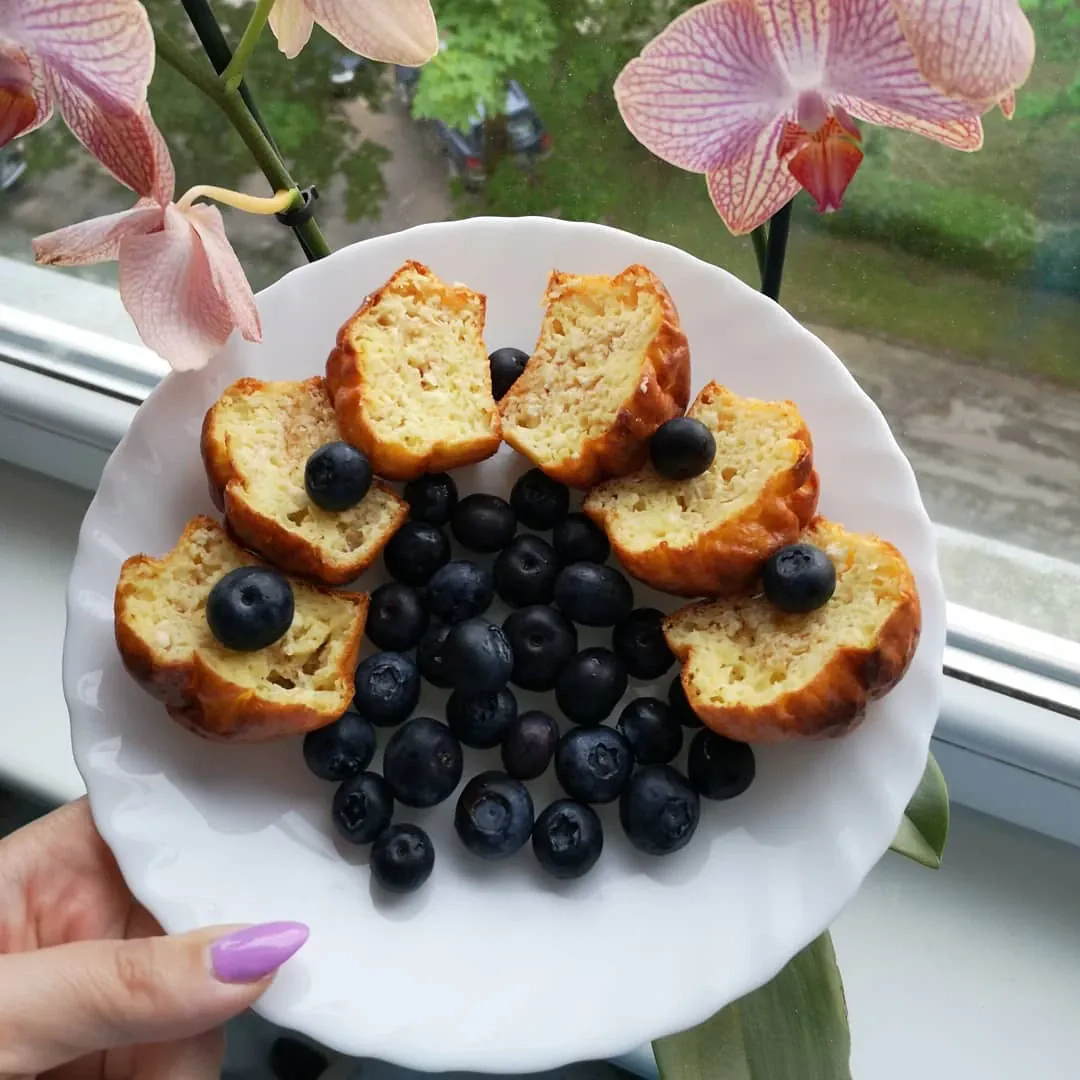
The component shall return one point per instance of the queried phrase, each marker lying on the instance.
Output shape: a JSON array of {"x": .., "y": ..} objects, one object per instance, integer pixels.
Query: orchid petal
[
  {"x": 227, "y": 274},
  {"x": 97, "y": 240},
  {"x": 392, "y": 31},
  {"x": 825, "y": 164},
  {"x": 292, "y": 24},
  {"x": 1008, "y": 105},
  {"x": 798, "y": 32},
  {"x": 25, "y": 103},
  {"x": 703, "y": 91},
  {"x": 870, "y": 60},
  {"x": 168, "y": 289},
  {"x": 127, "y": 143},
  {"x": 975, "y": 49},
  {"x": 749, "y": 192},
  {"x": 964, "y": 135},
  {"x": 103, "y": 47}
]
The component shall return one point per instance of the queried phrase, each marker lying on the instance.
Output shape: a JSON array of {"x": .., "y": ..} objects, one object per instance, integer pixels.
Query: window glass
[{"x": 949, "y": 283}]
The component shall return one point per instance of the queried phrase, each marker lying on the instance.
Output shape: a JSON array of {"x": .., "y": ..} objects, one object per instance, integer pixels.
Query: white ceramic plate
[{"x": 494, "y": 966}]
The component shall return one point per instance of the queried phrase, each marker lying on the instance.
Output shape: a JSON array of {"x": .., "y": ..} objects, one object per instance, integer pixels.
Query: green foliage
[
  {"x": 793, "y": 1028},
  {"x": 925, "y": 827},
  {"x": 951, "y": 225},
  {"x": 486, "y": 42}
]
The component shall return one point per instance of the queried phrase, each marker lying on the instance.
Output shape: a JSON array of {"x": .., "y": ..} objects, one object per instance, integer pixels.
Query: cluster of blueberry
[{"x": 436, "y": 605}]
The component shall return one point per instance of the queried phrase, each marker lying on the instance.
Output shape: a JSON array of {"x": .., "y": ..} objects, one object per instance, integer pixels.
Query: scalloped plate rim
[{"x": 514, "y": 1057}]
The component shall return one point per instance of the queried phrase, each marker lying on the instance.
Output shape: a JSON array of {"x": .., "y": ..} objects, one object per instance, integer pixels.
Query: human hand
[{"x": 90, "y": 988}]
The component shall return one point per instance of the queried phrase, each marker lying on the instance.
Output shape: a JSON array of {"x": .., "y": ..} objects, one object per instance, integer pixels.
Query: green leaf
[
  {"x": 793, "y": 1028},
  {"x": 925, "y": 826}
]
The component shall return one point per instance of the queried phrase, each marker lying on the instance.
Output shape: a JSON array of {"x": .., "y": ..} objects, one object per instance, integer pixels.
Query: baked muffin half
[
  {"x": 256, "y": 440},
  {"x": 410, "y": 379},
  {"x": 757, "y": 674},
  {"x": 709, "y": 535},
  {"x": 300, "y": 682},
  {"x": 611, "y": 365}
]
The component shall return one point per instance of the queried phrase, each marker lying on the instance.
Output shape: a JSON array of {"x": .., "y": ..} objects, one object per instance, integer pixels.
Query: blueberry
[
  {"x": 430, "y": 657},
  {"x": 422, "y": 763},
  {"x": 680, "y": 707},
  {"x": 682, "y": 448},
  {"x": 506, "y": 366},
  {"x": 483, "y": 523},
  {"x": 542, "y": 641},
  {"x": 363, "y": 806},
  {"x": 593, "y": 595},
  {"x": 579, "y": 539},
  {"x": 639, "y": 642},
  {"x": 494, "y": 815},
  {"x": 387, "y": 688},
  {"x": 659, "y": 810},
  {"x": 478, "y": 656},
  {"x": 799, "y": 578},
  {"x": 567, "y": 839},
  {"x": 593, "y": 764},
  {"x": 402, "y": 858},
  {"x": 459, "y": 590},
  {"x": 250, "y": 608},
  {"x": 525, "y": 571},
  {"x": 396, "y": 617},
  {"x": 337, "y": 476},
  {"x": 590, "y": 686},
  {"x": 431, "y": 498},
  {"x": 529, "y": 745},
  {"x": 718, "y": 767},
  {"x": 342, "y": 749},
  {"x": 481, "y": 720},
  {"x": 651, "y": 730},
  {"x": 538, "y": 501},
  {"x": 415, "y": 552}
]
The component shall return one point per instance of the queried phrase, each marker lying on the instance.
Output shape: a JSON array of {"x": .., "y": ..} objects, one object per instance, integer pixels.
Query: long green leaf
[
  {"x": 925, "y": 827},
  {"x": 793, "y": 1028}
]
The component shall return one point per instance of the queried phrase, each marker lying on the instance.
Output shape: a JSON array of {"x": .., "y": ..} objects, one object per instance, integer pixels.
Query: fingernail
[{"x": 251, "y": 954}]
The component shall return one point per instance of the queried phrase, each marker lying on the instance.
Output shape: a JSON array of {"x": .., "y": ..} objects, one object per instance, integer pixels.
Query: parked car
[
  {"x": 12, "y": 166},
  {"x": 464, "y": 147}
]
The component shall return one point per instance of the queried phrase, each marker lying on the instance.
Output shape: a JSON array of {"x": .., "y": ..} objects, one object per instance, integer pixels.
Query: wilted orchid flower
[
  {"x": 981, "y": 50},
  {"x": 92, "y": 60},
  {"x": 762, "y": 96},
  {"x": 393, "y": 31},
  {"x": 180, "y": 280}
]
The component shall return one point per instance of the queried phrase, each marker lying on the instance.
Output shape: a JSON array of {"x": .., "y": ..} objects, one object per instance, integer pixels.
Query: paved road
[{"x": 996, "y": 454}]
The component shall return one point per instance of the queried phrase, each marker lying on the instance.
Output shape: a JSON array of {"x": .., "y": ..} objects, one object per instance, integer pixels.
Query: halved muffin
[
  {"x": 610, "y": 366},
  {"x": 757, "y": 674},
  {"x": 300, "y": 682}
]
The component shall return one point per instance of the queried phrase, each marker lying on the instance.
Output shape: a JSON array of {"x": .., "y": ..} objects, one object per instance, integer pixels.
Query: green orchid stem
[
  {"x": 233, "y": 74},
  {"x": 775, "y": 252},
  {"x": 760, "y": 238},
  {"x": 241, "y": 111}
]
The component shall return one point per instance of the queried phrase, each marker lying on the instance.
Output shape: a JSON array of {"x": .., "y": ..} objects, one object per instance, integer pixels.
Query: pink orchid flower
[
  {"x": 393, "y": 31},
  {"x": 180, "y": 280},
  {"x": 92, "y": 60},
  {"x": 762, "y": 97},
  {"x": 981, "y": 50}
]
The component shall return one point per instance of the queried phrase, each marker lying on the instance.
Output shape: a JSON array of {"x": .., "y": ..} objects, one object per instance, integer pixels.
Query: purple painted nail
[{"x": 253, "y": 953}]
